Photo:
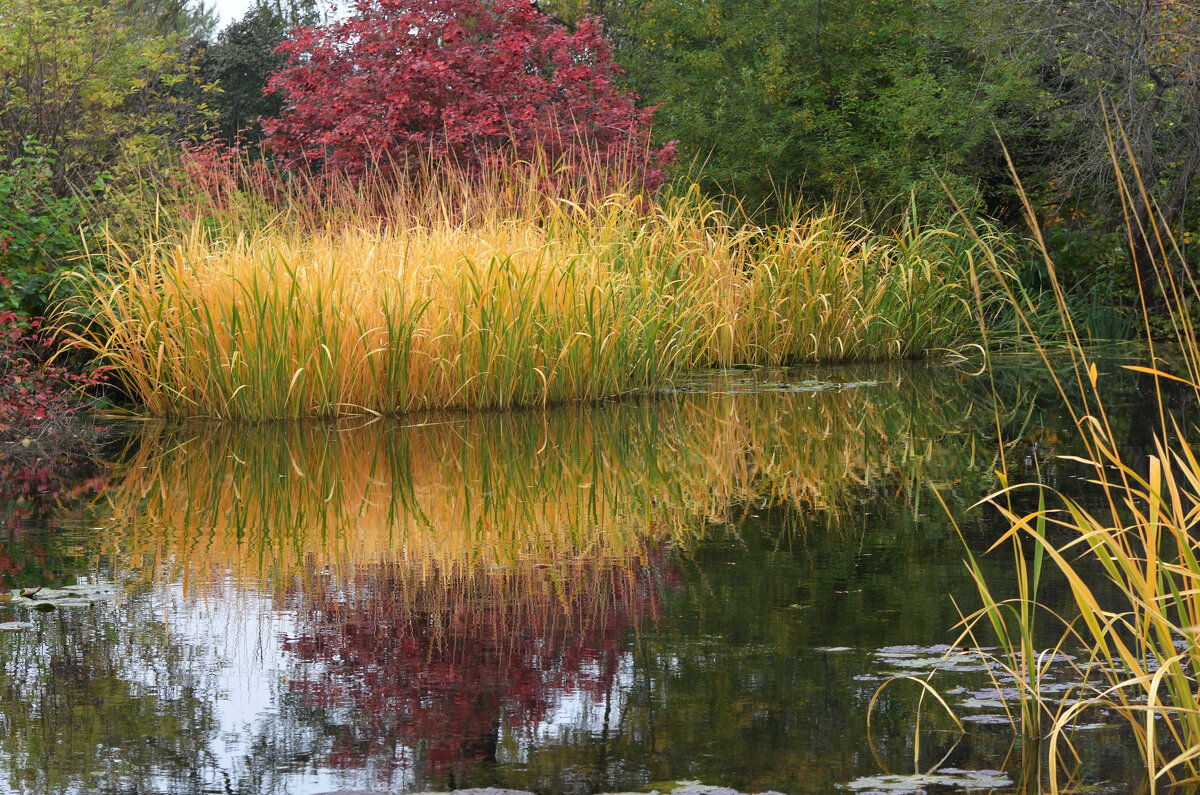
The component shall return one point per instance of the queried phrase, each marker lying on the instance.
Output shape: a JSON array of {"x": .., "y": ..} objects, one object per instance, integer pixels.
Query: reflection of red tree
[
  {"x": 444, "y": 662},
  {"x": 36, "y": 495},
  {"x": 34, "y": 491}
]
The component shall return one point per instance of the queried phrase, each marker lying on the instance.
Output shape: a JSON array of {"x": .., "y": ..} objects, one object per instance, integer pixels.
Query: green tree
[
  {"x": 836, "y": 98},
  {"x": 241, "y": 59},
  {"x": 185, "y": 18},
  {"x": 88, "y": 80},
  {"x": 1100, "y": 64},
  {"x": 91, "y": 93}
]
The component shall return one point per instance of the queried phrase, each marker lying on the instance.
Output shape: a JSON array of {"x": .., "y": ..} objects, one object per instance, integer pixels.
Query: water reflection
[
  {"x": 101, "y": 699},
  {"x": 566, "y": 488},
  {"x": 573, "y": 600},
  {"x": 439, "y": 676}
]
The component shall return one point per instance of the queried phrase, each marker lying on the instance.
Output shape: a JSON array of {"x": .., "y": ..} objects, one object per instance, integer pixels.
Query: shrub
[
  {"x": 97, "y": 82},
  {"x": 35, "y": 395},
  {"x": 39, "y": 231},
  {"x": 460, "y": 78}
]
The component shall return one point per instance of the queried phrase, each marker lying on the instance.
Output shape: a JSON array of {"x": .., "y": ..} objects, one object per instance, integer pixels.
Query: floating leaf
[
  {"x": 918, "y": 784},
  {"x": 13, "y": 626}
]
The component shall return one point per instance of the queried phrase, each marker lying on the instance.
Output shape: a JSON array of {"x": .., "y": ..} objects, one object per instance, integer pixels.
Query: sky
[{"x": 230, "y": 10}]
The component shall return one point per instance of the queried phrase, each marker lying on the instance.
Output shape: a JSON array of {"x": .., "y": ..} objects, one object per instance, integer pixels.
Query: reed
[
  {"x": 1129, "y": 550},
  {"x": 512, "y": 287}
]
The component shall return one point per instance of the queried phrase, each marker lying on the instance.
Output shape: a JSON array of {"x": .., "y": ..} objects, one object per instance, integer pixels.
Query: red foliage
[
  {"x": 219, "y": 172},
  {"x": 402, "y": 80},
  {"x": 46, "y": 471},
  {"x": 34, "y": 393}
]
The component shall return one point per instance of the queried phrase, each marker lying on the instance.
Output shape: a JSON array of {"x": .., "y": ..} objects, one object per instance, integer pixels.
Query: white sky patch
[{"x": 231, "y": 10}]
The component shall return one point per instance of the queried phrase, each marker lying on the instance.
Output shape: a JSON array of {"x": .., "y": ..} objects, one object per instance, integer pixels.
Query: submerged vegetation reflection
[{"x": 490, "y": 598}]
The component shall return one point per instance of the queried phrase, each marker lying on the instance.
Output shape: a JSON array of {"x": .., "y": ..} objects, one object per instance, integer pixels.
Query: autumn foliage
[
  {"x": 405, "y": 79},
  {"x": 35, "y": 395},
  {"x": 45, "y": 466}
]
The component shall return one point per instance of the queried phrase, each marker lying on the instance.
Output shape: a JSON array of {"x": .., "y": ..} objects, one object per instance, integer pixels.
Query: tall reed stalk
[
  {"x": 1140, "y": 630},
  {"x": 510, "y": 287}
]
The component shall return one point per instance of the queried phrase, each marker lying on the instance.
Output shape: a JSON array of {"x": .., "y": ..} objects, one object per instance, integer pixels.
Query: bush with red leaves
[
  {"x": 404, "y": 80},
  {"x": 35, "y": 395},
  {"x": 46, "y": 465}
]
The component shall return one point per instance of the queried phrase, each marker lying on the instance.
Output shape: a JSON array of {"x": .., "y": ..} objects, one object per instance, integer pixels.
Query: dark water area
[{"x": 709, "y": 585}]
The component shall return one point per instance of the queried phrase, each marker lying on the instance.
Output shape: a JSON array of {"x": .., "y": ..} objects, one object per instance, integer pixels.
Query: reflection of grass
[
  {"x": 490, "y": 291},
  {"x": 497, "y": 494}
]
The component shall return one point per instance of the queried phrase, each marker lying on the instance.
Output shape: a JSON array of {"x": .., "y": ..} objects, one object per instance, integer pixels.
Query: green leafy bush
[{"x": 40, "y": 231}]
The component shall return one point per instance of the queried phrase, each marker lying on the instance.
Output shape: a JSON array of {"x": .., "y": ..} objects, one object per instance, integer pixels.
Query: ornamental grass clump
[{"x": 506, "y": 285}]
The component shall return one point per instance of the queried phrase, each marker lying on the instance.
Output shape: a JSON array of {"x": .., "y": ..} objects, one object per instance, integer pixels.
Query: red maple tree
[{"x": 401, "y": 80}]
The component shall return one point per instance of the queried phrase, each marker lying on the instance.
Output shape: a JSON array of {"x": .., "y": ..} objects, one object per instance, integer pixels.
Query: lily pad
[
  {"x": 982, "y": 703},
  {"x": 91, "y": 590},
  {"x": 911, "y": 651},
  {"x": 987, "y": 719},
  {"x": 67, "y": 596},
  {"x": 918, "y": 784},
  {"x": 13, "y": 626},
  {"x": 916, "y": 663},
  {"x": 74, "y": 602}
]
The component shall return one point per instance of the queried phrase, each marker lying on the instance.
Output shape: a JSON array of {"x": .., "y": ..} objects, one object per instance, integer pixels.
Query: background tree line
[{"x": 872, "y": 105}]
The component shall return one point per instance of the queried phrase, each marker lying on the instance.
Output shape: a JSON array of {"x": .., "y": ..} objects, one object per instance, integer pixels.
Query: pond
[{"x": 707, "y": 586}]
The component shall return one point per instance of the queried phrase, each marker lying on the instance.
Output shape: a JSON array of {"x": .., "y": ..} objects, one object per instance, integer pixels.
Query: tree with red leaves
[{"x": 405, "y": 79}]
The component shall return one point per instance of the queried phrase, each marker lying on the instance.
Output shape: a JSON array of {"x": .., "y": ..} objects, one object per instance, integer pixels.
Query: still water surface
[{"x": 702, "y": 586}]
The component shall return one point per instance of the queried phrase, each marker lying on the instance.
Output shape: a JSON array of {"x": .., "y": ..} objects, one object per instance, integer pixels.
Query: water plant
[
  {"x": 1129, "y": 549},
  {"x": 511, "y": 285}
]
